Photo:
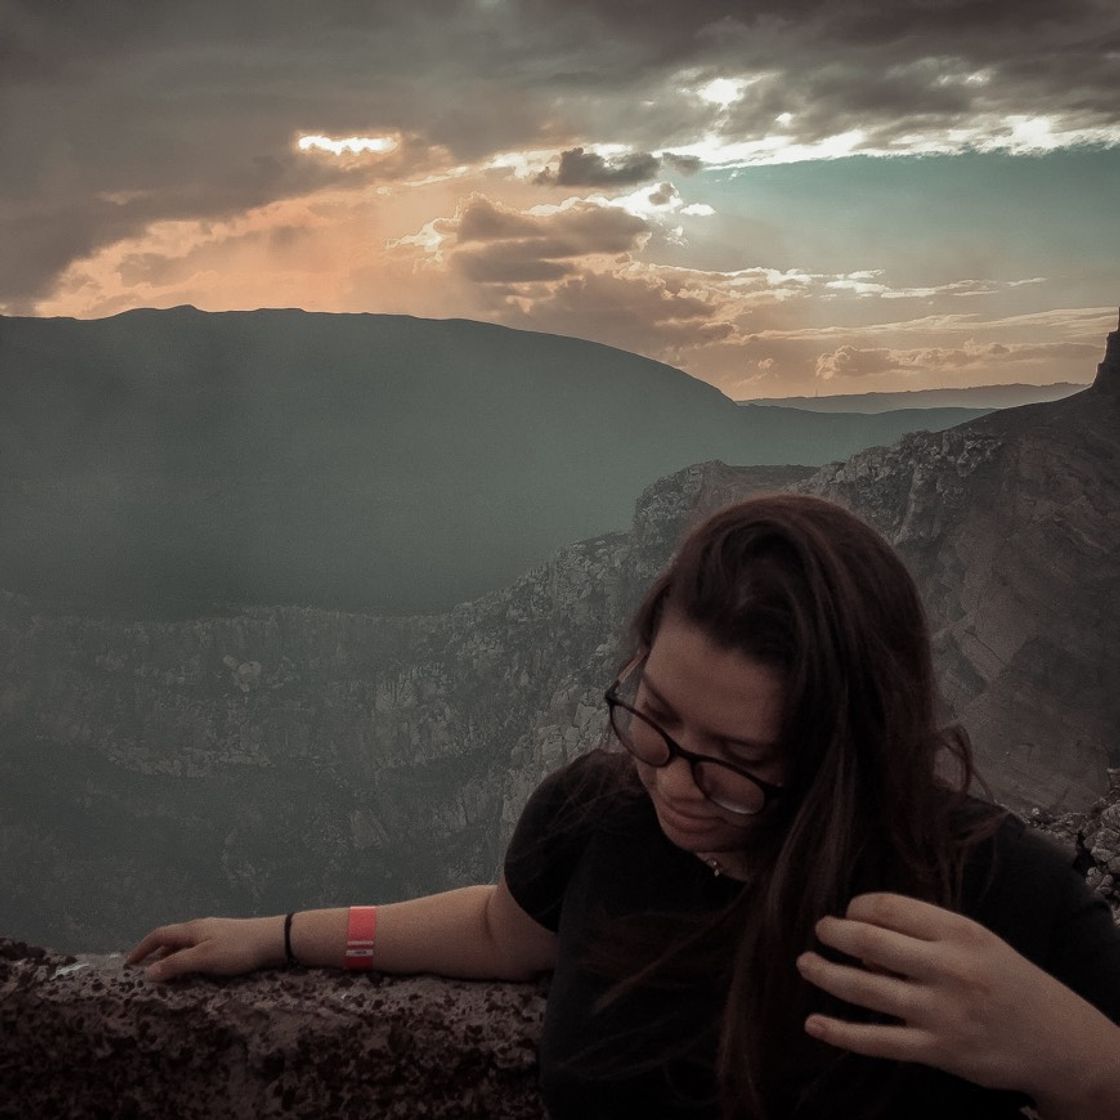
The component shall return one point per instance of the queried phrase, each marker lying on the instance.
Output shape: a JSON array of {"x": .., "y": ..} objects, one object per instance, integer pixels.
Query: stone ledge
[{"x": 87, "y": 1036}]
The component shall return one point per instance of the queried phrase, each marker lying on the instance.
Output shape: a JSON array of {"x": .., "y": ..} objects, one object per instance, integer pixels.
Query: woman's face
[{"x": 714, "y": 702}]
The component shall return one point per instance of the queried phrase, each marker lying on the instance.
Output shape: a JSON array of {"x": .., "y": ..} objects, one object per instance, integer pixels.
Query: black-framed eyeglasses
[{"x": 731, "y": 787}]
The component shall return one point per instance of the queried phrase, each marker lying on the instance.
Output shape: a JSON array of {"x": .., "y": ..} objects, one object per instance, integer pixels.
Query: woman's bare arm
[{"x": 474, "y": 933}]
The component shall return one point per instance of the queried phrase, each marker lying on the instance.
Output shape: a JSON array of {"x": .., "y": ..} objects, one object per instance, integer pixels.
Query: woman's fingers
[
  {"x": 888, "y": 994},
  {"x": 218, "y": 946},
  {"x": 176, "y": 964},
  {"x": 904, "y": 1044},
  {"x": 906, "y": 915},
  {"x": 963, "y": 1000},
  {"x": 884, "y": 948},
  {"x": 173, "y": 937}
]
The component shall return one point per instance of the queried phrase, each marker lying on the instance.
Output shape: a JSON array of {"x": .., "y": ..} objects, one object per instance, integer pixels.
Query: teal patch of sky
[{"x": 924, "y": 220}]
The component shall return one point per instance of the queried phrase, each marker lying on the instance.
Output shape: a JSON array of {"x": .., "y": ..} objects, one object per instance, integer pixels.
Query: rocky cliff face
[
  {"x": 1107, "y": 381},
  {"x": 280, "y": 758},
  {"x": 1009, "y": 525},
  {"x": 269, "y": 759}
]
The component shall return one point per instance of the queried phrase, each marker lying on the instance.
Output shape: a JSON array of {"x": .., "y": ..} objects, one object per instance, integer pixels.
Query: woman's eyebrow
[{"x": 751, "y": 744}]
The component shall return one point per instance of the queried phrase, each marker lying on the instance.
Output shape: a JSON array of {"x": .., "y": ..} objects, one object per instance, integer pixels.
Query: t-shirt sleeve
[
  {"x": 547, "y": 844},
  {"x": 1042, "y": 906},
  {"x": 1085, "y": 947}
]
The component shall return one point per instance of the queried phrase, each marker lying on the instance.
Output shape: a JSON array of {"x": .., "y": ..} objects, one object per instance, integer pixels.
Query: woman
[{"x": 766, "y": 900}]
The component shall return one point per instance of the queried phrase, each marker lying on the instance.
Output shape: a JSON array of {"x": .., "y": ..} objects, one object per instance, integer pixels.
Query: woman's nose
[{"x": 676, "y": 780}]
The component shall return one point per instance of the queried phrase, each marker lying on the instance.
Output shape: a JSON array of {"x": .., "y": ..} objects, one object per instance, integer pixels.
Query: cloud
[
  {"x": 853, "y": 362},
  {"x": 866, "y": 284},
  {"x": 577, "y": 268},
  {"x": 665, "y": 194},
  {"x": 479, "y": 219},
  {"x": 493, "y": 244},
  {"x": 115, "y": 119},
  {"x": 686, "y": 165},
  {"x": 573, "y": 268},
  {"x": 635, "y": 310},
  {"x": 580, "y": 168},
  {"x": 848, "y": 361},
  {"x": 1088, "y": 324}
]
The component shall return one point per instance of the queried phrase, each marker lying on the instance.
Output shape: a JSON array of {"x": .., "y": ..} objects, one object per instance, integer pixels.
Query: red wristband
[{"x": 359, "y": 937}]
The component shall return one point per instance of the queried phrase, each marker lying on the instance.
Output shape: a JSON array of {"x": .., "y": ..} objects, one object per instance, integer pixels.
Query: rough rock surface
[
  {"x": 1011, "y": 527},
  {"x": 1095, "y": 835},
  {"x": 86, "y": 1036}
]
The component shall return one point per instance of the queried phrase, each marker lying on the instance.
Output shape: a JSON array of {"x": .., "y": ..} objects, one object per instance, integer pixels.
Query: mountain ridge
[
  {"x": 177, "y": 459},
  {"x": 983, "y": 396}
]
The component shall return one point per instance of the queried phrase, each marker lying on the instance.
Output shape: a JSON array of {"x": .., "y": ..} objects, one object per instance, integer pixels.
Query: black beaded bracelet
[{"x": 292, "y": 962}]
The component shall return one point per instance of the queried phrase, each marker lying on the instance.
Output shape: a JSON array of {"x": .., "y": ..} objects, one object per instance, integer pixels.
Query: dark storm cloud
[
  {"x": 117, "y": 115},
  {"x": 684, "y": 31},
  {"x": 580, "y": 168},
  {"x": 889, "y": 69},
  {"x": 570, "y": 232},
  {"x": 518, "y": 248},
  {"x": 42, "y": 236},
  {"x": 663, "y": 194},
  {"x": 686, "y": 165},
  {"x": 480, "y": 220},
  {"x": 586, "y": 169}
]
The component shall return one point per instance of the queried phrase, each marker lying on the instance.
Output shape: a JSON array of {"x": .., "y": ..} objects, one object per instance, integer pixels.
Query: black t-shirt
[{"x": 1036, "y": 901}]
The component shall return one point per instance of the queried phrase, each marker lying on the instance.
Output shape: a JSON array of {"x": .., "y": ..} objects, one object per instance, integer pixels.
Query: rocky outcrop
[
  {"x": 86, "y": 1036},
  {"x": 1010, "y": 528},
  {"x": 1107, "y": 380},
  {"x": 1095, "y": 836}
]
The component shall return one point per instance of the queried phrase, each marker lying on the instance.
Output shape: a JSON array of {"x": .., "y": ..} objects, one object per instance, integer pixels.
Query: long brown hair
[{"x": 809, "y": 590}]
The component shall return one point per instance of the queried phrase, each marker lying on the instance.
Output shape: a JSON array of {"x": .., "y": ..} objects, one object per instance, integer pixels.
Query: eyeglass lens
[{"x": 722, "y": 785}]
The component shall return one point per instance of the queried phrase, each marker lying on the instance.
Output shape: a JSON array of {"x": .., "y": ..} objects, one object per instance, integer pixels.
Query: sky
[{"x": 778, "y": 196}]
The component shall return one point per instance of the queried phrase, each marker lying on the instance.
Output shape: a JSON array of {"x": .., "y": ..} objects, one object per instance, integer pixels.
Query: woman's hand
[
  {"x": 220, "y": 946},
  {"x": 968, "y": 1003}
]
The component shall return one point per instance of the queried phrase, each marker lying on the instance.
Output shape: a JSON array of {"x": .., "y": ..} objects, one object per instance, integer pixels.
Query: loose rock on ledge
[{"x": 88, "y": 1036}]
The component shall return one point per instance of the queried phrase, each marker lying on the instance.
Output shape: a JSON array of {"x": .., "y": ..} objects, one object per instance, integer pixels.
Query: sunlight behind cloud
[
  {"x": 723, "y": 91},
  {"x": 349, "y": 145},
  {"x": 717, "y": 152},
  {"x": 651, "y": 201},
  {"x": 524, "y": 164}
]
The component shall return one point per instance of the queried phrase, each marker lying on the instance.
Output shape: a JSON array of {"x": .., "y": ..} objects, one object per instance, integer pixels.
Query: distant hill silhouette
[
  {"x": 973, "y": 396},
  {"x": 163, "y": 461}
]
